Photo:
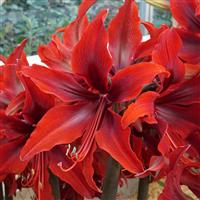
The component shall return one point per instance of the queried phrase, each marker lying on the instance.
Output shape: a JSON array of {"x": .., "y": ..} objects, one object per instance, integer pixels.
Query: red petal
[
  {"x": 128, "y": 83},
  {"x": 142, "y": 108},
  {"x": 124, "y": 34},
  {"x": 183, "y": 94},
  {"x": 119, "y": 148},
  {"x": 179, "y": 119},
  {"x": 43, "y": 187},
  {"x": 84, "y": 6},
  {"x": 73, "y": 32},
  {"x": 11, "y": 83},
  {"x": 36, "y": 103},
  {"x": 10, "y": 156},
  {"x": 88, "y": 169},
  {"x": 17, "y": 53},
  {"x": 145, "y": 48},
  {"x": 60, "y": 125},
  {"x": 184, "y": 13},
  {"x": 166, "y": 53},
  {"x": 63, "y": 85},
  {"x": 74, "y": 177},
  {"x": 191, "y": 70},
  {"x": 197, "y": 11},
  {"x": 191, "y": 46},
  {"x": 90, "y": 56},
  {"x": 55, "y": 55}
]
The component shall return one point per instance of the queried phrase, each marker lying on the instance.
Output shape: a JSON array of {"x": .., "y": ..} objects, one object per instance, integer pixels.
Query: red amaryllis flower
[
  {"x": 186, "y": 14},
  {"x": 173, "y": 109},
  {"x": 57, "y": 54},
  {"x": 16, "y": 125},
  {"x": 86, "y": 117}
]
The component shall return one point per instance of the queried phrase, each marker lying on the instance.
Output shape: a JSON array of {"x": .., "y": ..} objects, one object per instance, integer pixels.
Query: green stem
[
  {"x": 7, "y": 196},
  {"x": 110, "y": 182},
  {"x": 1, "y": 191},
  {"x": 55, "y": 186},
  {"x": 143, "y": 188}
]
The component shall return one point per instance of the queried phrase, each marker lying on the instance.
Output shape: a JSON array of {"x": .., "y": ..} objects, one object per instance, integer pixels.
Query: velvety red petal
[
  {"x": 145, "y": 48},
  {"x": 155, "y": 165},
  {"x": 74, "y": 177},
  {"x": 90, "y": 57},
  {"x": 191, "y": 70},
  {"x": 192, "y": 181},
  {"x": 184, "y": 94},
  {"x": 142, "y": 108},
  {"x": 60, "y": 125},
  {"x": 190, "y": 52},
  {"x": 36, "y": 102},
  {"x": 197, "y": 11},
  {"x": 16, "y": 104},
  {"x": 55, "y": 55},
  {"x": 17, "y": 53},
  {"x": 184, "y": 13},
  {"x": 42, "y": 186},
  {"x": 84, "y": 6},
  {"x": 128, "y": 83},
  {"x": 10, "y": 156},
  {"x": 124, "y": 34},
  {"x": 115, "y": 140},
  {"x": 63, "y": 85},
  {"x": 166, "y": 53},
  {"x": 88, "y": 169},
  {"x": 178, "y": 120},
  {"x": 11, "y": 83}
]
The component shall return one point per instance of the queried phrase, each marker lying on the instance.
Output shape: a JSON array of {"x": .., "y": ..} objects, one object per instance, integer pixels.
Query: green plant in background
[
  {"x": 38, "y": 19},
  {"x": 161, "y": 16},
  {"x": 35, "y": 19}
]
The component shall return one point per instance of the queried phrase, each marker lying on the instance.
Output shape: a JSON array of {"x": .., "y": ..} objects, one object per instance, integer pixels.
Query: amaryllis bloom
[
  {"x": 173, "y": 107},
  {"x": 57, "y": 54},
  {"x": 17, "y": 122},
  {"x": 86, "y": 117},
  {"x": 172, "y": 112}
]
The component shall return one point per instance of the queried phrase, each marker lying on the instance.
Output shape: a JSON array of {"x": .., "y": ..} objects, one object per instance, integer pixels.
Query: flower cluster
[{"x": 104, "y": 92}]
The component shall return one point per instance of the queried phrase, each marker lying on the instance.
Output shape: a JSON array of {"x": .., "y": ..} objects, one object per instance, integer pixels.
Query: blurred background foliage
[{"x": 38, "y": 19}]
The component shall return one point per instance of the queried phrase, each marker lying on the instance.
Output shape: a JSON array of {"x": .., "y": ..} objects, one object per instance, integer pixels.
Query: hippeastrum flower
[
  {"x": 17, "y": 122},
  {"x": 169, "y": 114},
  {"x": 172, "y": 110},
  {"x": 186, "y": 14},
  {"x": 85, "y": 118},
  {"x": 57, "y": 54}
]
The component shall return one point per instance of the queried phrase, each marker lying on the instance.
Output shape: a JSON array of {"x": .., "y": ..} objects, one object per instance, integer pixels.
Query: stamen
[
  {"x": 89, "y": 134},
  {"x": 68, "y": 149},
  {"x": 60, "y": 164}
]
